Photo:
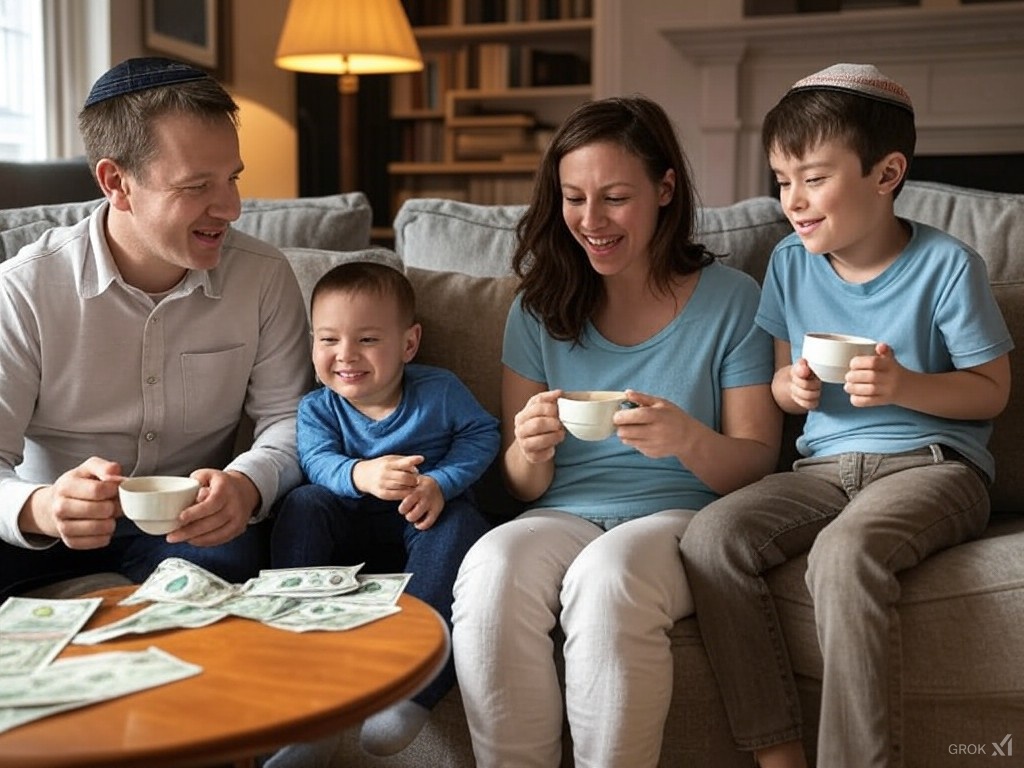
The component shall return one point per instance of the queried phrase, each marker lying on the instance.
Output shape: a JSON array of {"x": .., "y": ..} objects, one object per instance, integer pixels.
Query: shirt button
[
  {"x": 150, "y": 437},
  {"x": 152, "y": 380}
]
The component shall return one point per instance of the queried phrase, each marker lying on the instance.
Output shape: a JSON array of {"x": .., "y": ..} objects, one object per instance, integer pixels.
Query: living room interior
[{"x": 715, "y": 65}]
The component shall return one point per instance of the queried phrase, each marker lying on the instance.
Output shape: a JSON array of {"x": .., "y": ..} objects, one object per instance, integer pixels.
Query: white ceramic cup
[
  {"x": 588, "y": 414},
  {"x": 153, "y": 502},
  {"x": 829, "y": 354}
]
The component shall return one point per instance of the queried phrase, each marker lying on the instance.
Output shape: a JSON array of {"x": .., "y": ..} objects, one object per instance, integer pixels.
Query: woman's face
[{"x": 610, "y": 205}]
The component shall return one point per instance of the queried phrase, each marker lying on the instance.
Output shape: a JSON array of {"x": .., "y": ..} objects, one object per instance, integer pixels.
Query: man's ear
[
  {"x": 114, "y": 185},
  {"x": 891, "y": 169},
  {"x": 412, "y": 342}
]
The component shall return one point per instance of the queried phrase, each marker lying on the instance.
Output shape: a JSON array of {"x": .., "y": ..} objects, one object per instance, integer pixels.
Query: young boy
[
  {"x": 895, "y": 465},
  {"x": 391, "y": 450}
]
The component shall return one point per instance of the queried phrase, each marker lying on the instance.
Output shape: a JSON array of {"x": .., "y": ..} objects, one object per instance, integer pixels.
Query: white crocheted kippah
[{"x": 860, "y": 79}]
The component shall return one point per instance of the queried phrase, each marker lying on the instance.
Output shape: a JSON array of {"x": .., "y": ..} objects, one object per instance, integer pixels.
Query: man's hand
[
  {"x": 390, "y": 478},
  {"x": 222, "y": 511},
  {"x": 80, "y": 508},
  {"x": 423, "y": 505}
]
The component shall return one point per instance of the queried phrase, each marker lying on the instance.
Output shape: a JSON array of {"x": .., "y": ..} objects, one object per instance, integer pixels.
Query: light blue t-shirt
[
  {"x": 933, "y": 306},
  {"x": 713, "y": 344}
]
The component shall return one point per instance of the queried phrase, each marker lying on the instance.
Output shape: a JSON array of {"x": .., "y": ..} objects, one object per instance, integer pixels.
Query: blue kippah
[{"x": 139, "y": 74}]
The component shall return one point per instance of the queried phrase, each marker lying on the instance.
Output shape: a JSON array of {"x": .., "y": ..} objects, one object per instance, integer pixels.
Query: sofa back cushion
[{"x": 335, "y": 222}]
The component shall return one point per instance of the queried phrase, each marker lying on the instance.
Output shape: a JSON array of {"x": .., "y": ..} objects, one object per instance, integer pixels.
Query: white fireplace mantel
[{"x": 963, "y": 68}]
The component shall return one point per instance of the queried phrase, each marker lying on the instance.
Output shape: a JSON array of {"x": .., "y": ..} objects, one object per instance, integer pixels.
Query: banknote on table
[
  {"x": 157, "y": 617},
  {"x": 71, "y": 683},
  {"x": 33, "y": 630},
  {"x": 379, "y": 589},
  {"x": 258, "y": 607},
  {"x": 319, "y": 581},
  {"x": 330, "y": 614},
  {"x": 179, "y": 581}
]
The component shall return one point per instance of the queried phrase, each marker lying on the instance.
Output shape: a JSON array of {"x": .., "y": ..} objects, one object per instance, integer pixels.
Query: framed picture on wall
[{"x": 195, "y": 31}]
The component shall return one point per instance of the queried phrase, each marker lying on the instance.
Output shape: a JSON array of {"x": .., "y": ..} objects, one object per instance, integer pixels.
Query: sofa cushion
[
  {"x": 335, "y": 222},
  {"x": 990, "y": 222},
  {"x": 448, "y": 235},
  {"x": 452, "y": 236},
  {"x": 310, "y": 264}
]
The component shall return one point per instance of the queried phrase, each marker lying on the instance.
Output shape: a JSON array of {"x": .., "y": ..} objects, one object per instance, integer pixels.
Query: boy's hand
[
  {"x": 804, "y": 386},
  {"x": 423, "y": 505},
  {"x": 874, "y": 379},
  {"x": 390, "y": 478}
]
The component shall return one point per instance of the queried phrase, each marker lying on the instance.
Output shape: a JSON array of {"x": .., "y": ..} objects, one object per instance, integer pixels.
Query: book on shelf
[
  {"x": 426, "y": 89},
  {"x": 558, "y": 68},
  {"x": 491, "y": 143},
  {"x": 523, "y": 157},
  {"x": 492, "y": 120}
]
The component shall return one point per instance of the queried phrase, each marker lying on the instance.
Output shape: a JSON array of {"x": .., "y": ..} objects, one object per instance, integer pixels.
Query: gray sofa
[{"x": 961, "y": 611}]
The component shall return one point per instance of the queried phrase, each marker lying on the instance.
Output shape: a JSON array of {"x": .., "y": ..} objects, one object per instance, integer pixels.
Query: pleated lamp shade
[{"x": 348, "y": 37}]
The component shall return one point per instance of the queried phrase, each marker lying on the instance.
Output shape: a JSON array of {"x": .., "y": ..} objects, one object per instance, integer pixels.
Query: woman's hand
[
  {"x": 653, "y": 427},
  {"x": 538, "y": 429}
]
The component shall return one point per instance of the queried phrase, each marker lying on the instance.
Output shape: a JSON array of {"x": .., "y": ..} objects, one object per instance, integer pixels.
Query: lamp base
[{"x": 348, "y": 129}]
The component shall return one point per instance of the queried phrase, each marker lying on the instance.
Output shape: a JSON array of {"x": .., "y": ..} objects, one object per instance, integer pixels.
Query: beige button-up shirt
[{"x": 91, "y": 366}]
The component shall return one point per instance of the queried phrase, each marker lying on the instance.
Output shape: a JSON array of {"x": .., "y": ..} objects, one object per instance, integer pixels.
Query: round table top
[{"x": 260, "y": 688}]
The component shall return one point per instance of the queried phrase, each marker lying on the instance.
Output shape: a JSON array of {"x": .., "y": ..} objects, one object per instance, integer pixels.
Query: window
[{"x": 22, "y": 82}]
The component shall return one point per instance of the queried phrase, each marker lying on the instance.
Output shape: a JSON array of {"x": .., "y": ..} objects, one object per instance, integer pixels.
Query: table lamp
[{"x": 348, "y": 38}]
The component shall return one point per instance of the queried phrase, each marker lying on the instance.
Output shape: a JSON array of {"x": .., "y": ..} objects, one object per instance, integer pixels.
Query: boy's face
[
  {"x": 833, "y": 206},
  {"x": 361, "y": 346}
]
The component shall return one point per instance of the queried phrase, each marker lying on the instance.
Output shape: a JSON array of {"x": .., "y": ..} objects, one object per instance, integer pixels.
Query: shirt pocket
[{"x": 214, "y": 386}]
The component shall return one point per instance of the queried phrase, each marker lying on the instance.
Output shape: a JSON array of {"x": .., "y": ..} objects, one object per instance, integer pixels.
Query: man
[{"x": 134, "y": 342}]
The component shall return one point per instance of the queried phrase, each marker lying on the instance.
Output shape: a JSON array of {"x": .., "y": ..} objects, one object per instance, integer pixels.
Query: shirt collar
[{"x": 99, "y": 273}]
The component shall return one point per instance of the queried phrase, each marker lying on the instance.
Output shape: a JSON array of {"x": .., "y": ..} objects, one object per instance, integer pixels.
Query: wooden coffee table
[{"x": 260, "y": 688}]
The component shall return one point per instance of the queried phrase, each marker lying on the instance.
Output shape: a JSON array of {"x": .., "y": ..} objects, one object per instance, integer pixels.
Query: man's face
[{"x": 180, "y": 207}]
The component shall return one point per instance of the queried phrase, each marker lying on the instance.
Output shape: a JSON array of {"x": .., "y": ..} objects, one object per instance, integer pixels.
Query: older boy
[
  {"x": 391, "y": 450},
  {"x": 895, "y": 462}
]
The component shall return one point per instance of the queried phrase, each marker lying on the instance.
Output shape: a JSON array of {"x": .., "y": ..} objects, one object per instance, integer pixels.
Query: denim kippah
[
  {"x": 859, "y": 79},
  {"x": 139, "y": 74}
]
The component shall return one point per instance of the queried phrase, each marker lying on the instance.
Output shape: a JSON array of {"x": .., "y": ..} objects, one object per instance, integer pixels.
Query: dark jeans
[
  {"x": 314, "y": 526},
  {"x": 134, "y": 556}
]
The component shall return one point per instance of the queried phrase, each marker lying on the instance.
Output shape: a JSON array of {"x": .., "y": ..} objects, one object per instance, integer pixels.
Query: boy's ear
[
  {"x": 412, "y": 342},
  {"x": 891, "y": 170}
]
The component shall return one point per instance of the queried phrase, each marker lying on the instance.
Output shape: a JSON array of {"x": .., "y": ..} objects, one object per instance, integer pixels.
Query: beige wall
[{"x": 265, "y": 94}]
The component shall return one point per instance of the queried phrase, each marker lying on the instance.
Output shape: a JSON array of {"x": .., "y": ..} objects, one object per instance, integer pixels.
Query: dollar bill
[
  {"x": 321, "y": 581},
  {"x": 83, "y": 680},
  {"x": 258, "y": 607},
  {"x": 331, "y": 614},
  {"x": 153, "y": 618},
  {"x": 33, "y": 630},
  {"x": 379, "y": 589},
  {"x": 179, "y": 581}
]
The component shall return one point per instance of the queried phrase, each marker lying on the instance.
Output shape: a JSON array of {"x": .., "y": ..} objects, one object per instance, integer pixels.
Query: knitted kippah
[
  {"x": 139, "y": 74},
  {"x": 860, "y": 79}
]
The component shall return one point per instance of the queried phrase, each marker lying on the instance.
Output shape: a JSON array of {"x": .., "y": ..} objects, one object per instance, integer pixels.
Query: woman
[{"x": 615, "y": 295}]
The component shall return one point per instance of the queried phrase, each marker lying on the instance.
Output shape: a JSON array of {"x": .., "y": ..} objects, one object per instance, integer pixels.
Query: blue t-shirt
[
  {"x": 437, "y": 418},
  {"x": 713, "y": 344},
  {"x": 933, "y": 306}
]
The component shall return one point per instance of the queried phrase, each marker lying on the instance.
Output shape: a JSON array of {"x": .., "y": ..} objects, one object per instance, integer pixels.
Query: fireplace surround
[{"x": 963, "y": 67}]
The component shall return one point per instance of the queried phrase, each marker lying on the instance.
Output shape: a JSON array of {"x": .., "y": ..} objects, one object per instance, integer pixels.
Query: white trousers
[{"x": 616, "y": 594}]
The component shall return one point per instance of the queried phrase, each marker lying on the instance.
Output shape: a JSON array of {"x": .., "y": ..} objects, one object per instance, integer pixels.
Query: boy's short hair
[
  {"x": 369, "y": 277},
  {"x": 852, "y": 103}
]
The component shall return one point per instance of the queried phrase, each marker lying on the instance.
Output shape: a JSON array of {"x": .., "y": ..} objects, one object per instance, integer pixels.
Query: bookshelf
[{"x": 499, "y": 76}]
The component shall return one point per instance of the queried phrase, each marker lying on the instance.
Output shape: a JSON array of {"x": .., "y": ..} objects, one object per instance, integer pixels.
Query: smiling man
[{"x": 134, "y": 342}]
